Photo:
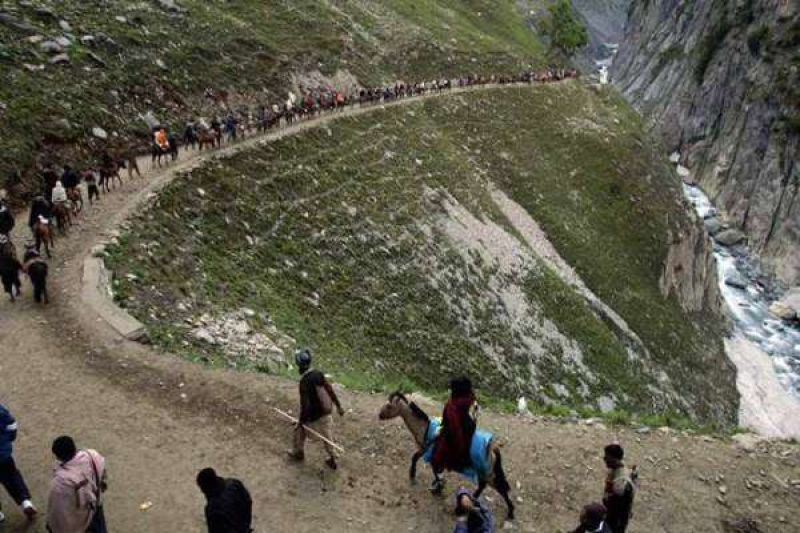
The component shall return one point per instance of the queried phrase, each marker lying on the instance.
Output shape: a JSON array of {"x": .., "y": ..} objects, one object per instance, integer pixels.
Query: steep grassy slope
[
  {"x": 127, "y": 58},
  {"x": 385, "y": 242}
]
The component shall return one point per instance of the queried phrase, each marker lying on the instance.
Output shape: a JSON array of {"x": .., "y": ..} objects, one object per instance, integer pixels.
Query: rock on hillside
[{"x": 720, "y": 81}]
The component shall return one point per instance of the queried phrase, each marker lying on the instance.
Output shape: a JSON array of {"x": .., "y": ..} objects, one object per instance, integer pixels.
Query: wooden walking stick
[{"x": 315, "y": 433}]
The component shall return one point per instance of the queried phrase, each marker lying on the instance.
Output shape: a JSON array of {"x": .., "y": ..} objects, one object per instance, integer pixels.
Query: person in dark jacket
[
  {"x": 452, "y": 447},
  {"x": 6, "y": 217},
  {"x": 10, "y": 267},
  {"x": 39, "y": 208},
  {"x": 229, "y": 508},
  {"x": 70, "y": 178},
  {"x": 619, "y": 489},
  {"x": 317, "y": 399},
  {"x": 593, "y": 519},
  {"x": 10, "y": 476}
]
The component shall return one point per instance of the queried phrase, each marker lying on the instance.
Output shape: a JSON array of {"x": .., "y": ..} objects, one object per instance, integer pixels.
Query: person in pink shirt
[{"x": 74, "y": 503}]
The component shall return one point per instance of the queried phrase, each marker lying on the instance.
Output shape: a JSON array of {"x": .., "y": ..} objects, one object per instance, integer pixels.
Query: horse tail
[{"x": 500, "y": 479}]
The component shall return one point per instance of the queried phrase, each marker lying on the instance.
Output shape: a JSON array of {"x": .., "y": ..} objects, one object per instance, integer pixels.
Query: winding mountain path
[{"x": 159, "y": 419}]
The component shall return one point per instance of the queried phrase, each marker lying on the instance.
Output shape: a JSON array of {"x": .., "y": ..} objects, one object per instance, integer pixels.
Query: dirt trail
[{"x": 158, "y": 419}]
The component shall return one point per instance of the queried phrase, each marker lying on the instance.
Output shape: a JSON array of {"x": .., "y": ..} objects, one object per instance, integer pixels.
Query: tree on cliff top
[{"x": 567, "y": 33}]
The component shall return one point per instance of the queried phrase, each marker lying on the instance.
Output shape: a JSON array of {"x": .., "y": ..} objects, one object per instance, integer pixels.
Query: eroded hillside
[{"x": 412, "y": 243}]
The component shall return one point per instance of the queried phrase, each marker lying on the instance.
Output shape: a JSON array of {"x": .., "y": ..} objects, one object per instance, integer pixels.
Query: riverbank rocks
[
  {"x": 730, "y": 237},
  {"x": 792, "y": 299},
  {"x": 713, "y": 226},
  {"x": 782, "y": 311},
  {"x": 736, "y": 281}
]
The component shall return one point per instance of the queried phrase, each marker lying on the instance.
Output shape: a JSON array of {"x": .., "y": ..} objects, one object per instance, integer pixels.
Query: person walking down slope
[
  {"x": 317, "y": 399},
  {"x": 472, "y": 516},
  {"x": 619, "y": 489},
  {"x": 229, "y": 508},
  {"x": 75, "y": 501},
  {"x": 10, "y": 476}
]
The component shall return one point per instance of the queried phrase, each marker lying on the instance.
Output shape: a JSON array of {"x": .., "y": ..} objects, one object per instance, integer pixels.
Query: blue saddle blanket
[{"x": 477, "y": 452}]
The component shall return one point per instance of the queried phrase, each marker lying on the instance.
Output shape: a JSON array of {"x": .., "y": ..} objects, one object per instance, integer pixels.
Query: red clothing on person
[{"x": 455, "y": 439}]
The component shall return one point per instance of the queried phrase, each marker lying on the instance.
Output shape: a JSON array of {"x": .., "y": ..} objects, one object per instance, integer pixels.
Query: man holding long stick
[{"x": 317, "y": 399}]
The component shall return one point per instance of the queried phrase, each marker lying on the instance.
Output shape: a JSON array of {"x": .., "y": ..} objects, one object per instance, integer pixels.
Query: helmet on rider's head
[{"x": 303, "y": 358}]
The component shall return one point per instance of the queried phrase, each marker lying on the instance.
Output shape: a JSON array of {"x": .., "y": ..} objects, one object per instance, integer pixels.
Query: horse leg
[
  {"x": 481, "y": 487},
  {"x": 437, "y": 487},
  {"x": 412, "y": 472},
  {"x": 501, "y": 484}
]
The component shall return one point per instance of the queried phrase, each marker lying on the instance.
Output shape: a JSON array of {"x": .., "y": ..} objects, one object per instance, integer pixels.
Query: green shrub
[
  {"x": 709, "y": 47},
  {"x": 756, "y": 39},
  {"x": 567, "y": 33}
]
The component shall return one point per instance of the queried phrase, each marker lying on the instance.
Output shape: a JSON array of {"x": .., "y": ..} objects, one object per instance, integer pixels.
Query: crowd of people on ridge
[{"x": 61, "y": 199}]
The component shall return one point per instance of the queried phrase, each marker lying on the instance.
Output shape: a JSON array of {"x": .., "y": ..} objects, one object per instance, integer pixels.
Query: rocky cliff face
[
  {"x": 719, "y": 80},
  {"x": 605, "y": 22}
]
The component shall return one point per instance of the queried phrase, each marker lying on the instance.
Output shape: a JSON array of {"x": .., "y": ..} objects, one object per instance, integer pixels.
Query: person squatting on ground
[
  {"x": 317, "y": 399},
  {"x": 10, "y": 476},
  {"x": 619, "y": 489},
  {"x": 452, "y": 448},
  {"x": 229, "y": 508},
  {"x": 75, "y": 504},
  {"x": 472, "y": 516},
  {"x": 593, "y": 519}
]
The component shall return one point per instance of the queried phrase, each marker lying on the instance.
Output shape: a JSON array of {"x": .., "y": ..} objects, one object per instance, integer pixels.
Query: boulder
[
  {"x": 713, "y": 226},
  {"x": 60, "y": 59},
  {"x": 64, "y": 25},
  {"x": 683, "y": 172},
  {"x": 736, "y": 280},
  {"x": 51, "y": 47},
  {"x": 100, "y": 133},
  {"x": 675, "y": 158},
  {"x": 782, "y": 311},
  {"x": 792, "y": 299},
  {"x": 730, "y": 237},
  {"x": 63, "y": 41},
  {"x": 171, "y": 5}
]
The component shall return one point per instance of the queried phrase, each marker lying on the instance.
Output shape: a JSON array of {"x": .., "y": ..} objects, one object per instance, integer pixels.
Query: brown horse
[
  {"x": 417, "y": 422},
  {"x": 208, "y": 138},
  {"x": 75, "y": 197},
  {"x": 63, "y": 216},
  {"x": 109, "y": 174},
  {"x": 43, "y": 234}
]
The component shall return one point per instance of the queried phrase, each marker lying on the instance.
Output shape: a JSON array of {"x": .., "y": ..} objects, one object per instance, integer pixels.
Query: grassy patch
[{"x": 336, "y": 234}]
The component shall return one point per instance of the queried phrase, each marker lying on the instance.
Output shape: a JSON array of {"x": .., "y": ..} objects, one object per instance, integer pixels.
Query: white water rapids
[{"x": 766, "y": 351}]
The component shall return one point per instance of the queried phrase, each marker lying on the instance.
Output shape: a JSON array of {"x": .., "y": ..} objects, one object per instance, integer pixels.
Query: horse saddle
[{"x": 478, "y": 452}]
